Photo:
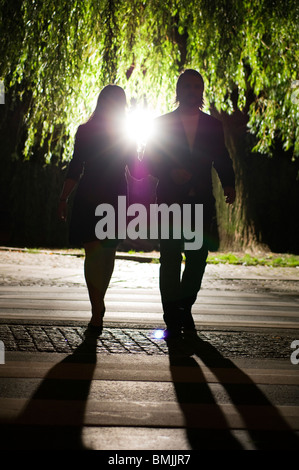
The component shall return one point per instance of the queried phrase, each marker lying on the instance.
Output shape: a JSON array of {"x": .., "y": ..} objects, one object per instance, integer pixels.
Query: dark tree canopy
[{"x": 56, "y": 56}]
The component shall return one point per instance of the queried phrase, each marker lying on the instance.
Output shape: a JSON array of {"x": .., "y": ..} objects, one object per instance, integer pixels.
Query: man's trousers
[{"x": 179, "y": 292}]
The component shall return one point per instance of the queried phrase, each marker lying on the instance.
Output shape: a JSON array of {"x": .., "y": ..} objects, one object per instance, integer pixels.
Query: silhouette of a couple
[{"x": 180, "y": 155}]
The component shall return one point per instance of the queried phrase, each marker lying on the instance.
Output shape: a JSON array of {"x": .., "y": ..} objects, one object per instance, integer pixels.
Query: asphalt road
[
  {"x": 53, "y": 285},
  {"x": 239, "y": 390}
]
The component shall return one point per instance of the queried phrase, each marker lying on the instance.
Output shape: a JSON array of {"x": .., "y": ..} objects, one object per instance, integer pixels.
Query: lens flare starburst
[{"x": 139, "y": 127}]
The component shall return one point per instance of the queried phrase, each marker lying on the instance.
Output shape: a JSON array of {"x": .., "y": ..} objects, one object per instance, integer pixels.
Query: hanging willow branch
[{"x": 59, "y": 54}]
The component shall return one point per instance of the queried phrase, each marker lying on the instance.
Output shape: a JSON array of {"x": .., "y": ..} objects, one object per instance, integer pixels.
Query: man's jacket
[{"x": 168, "y": 150}]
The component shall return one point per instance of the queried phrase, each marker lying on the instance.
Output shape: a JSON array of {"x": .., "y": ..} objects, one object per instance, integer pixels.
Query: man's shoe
[
  {"x": 177, "y": 346},
  {"x": 172, "y": 333},
  {"x": 190, "y": 333}
]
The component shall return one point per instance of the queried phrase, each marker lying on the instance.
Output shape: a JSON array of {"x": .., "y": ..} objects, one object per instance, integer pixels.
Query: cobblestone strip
[
  {"x": 63, "y": 339},
  {"x": 66, "y": 339}
]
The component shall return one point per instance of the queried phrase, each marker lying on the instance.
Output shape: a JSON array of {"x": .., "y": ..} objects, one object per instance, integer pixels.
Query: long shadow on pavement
[
  {"x": 207, "y": 426},
  {"x": 54, "y": 416}
]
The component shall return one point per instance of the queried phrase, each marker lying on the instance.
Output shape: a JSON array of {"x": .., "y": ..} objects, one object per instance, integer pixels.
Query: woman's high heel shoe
[{"x": 96, "y": 329}]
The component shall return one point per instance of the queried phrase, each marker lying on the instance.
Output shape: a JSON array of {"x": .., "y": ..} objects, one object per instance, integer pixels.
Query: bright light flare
[
  {"x": 139, "y": 126},
  {"x": 158, "y": 334}
]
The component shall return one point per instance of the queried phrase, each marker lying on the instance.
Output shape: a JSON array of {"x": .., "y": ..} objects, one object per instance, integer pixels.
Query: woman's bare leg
[{"x": 98, "y": 269}]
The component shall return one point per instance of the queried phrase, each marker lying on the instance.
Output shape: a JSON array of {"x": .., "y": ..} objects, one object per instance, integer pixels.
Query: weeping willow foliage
[{"x": 59, "y": 54}]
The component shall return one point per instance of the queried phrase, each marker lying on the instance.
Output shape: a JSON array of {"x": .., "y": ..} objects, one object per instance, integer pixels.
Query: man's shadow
[
  {"x": 53, "y": 419},
  {"x": 206, "y": 424}
]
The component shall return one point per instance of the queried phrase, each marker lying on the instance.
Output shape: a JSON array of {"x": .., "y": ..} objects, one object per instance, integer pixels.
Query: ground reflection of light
[{"x": 158, "y": 334}]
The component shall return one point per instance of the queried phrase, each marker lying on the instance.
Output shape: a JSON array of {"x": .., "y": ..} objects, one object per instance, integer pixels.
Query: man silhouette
[{"x": 186, "y": 145}]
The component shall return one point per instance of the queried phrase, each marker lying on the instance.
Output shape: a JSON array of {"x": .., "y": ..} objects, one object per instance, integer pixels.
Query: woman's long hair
[{"x": 111, "y": 103}]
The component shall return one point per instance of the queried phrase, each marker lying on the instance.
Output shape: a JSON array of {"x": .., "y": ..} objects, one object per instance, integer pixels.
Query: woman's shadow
[
  {"x": 53, "y": 419},
  {"x": 207, "y": 425}
]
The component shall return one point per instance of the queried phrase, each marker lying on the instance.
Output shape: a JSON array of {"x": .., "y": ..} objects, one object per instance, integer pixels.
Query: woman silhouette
[{"x": 101, "y": 154}]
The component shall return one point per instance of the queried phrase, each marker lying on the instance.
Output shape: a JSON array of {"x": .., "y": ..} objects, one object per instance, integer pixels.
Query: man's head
[{"x": 189, "y": 89}]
